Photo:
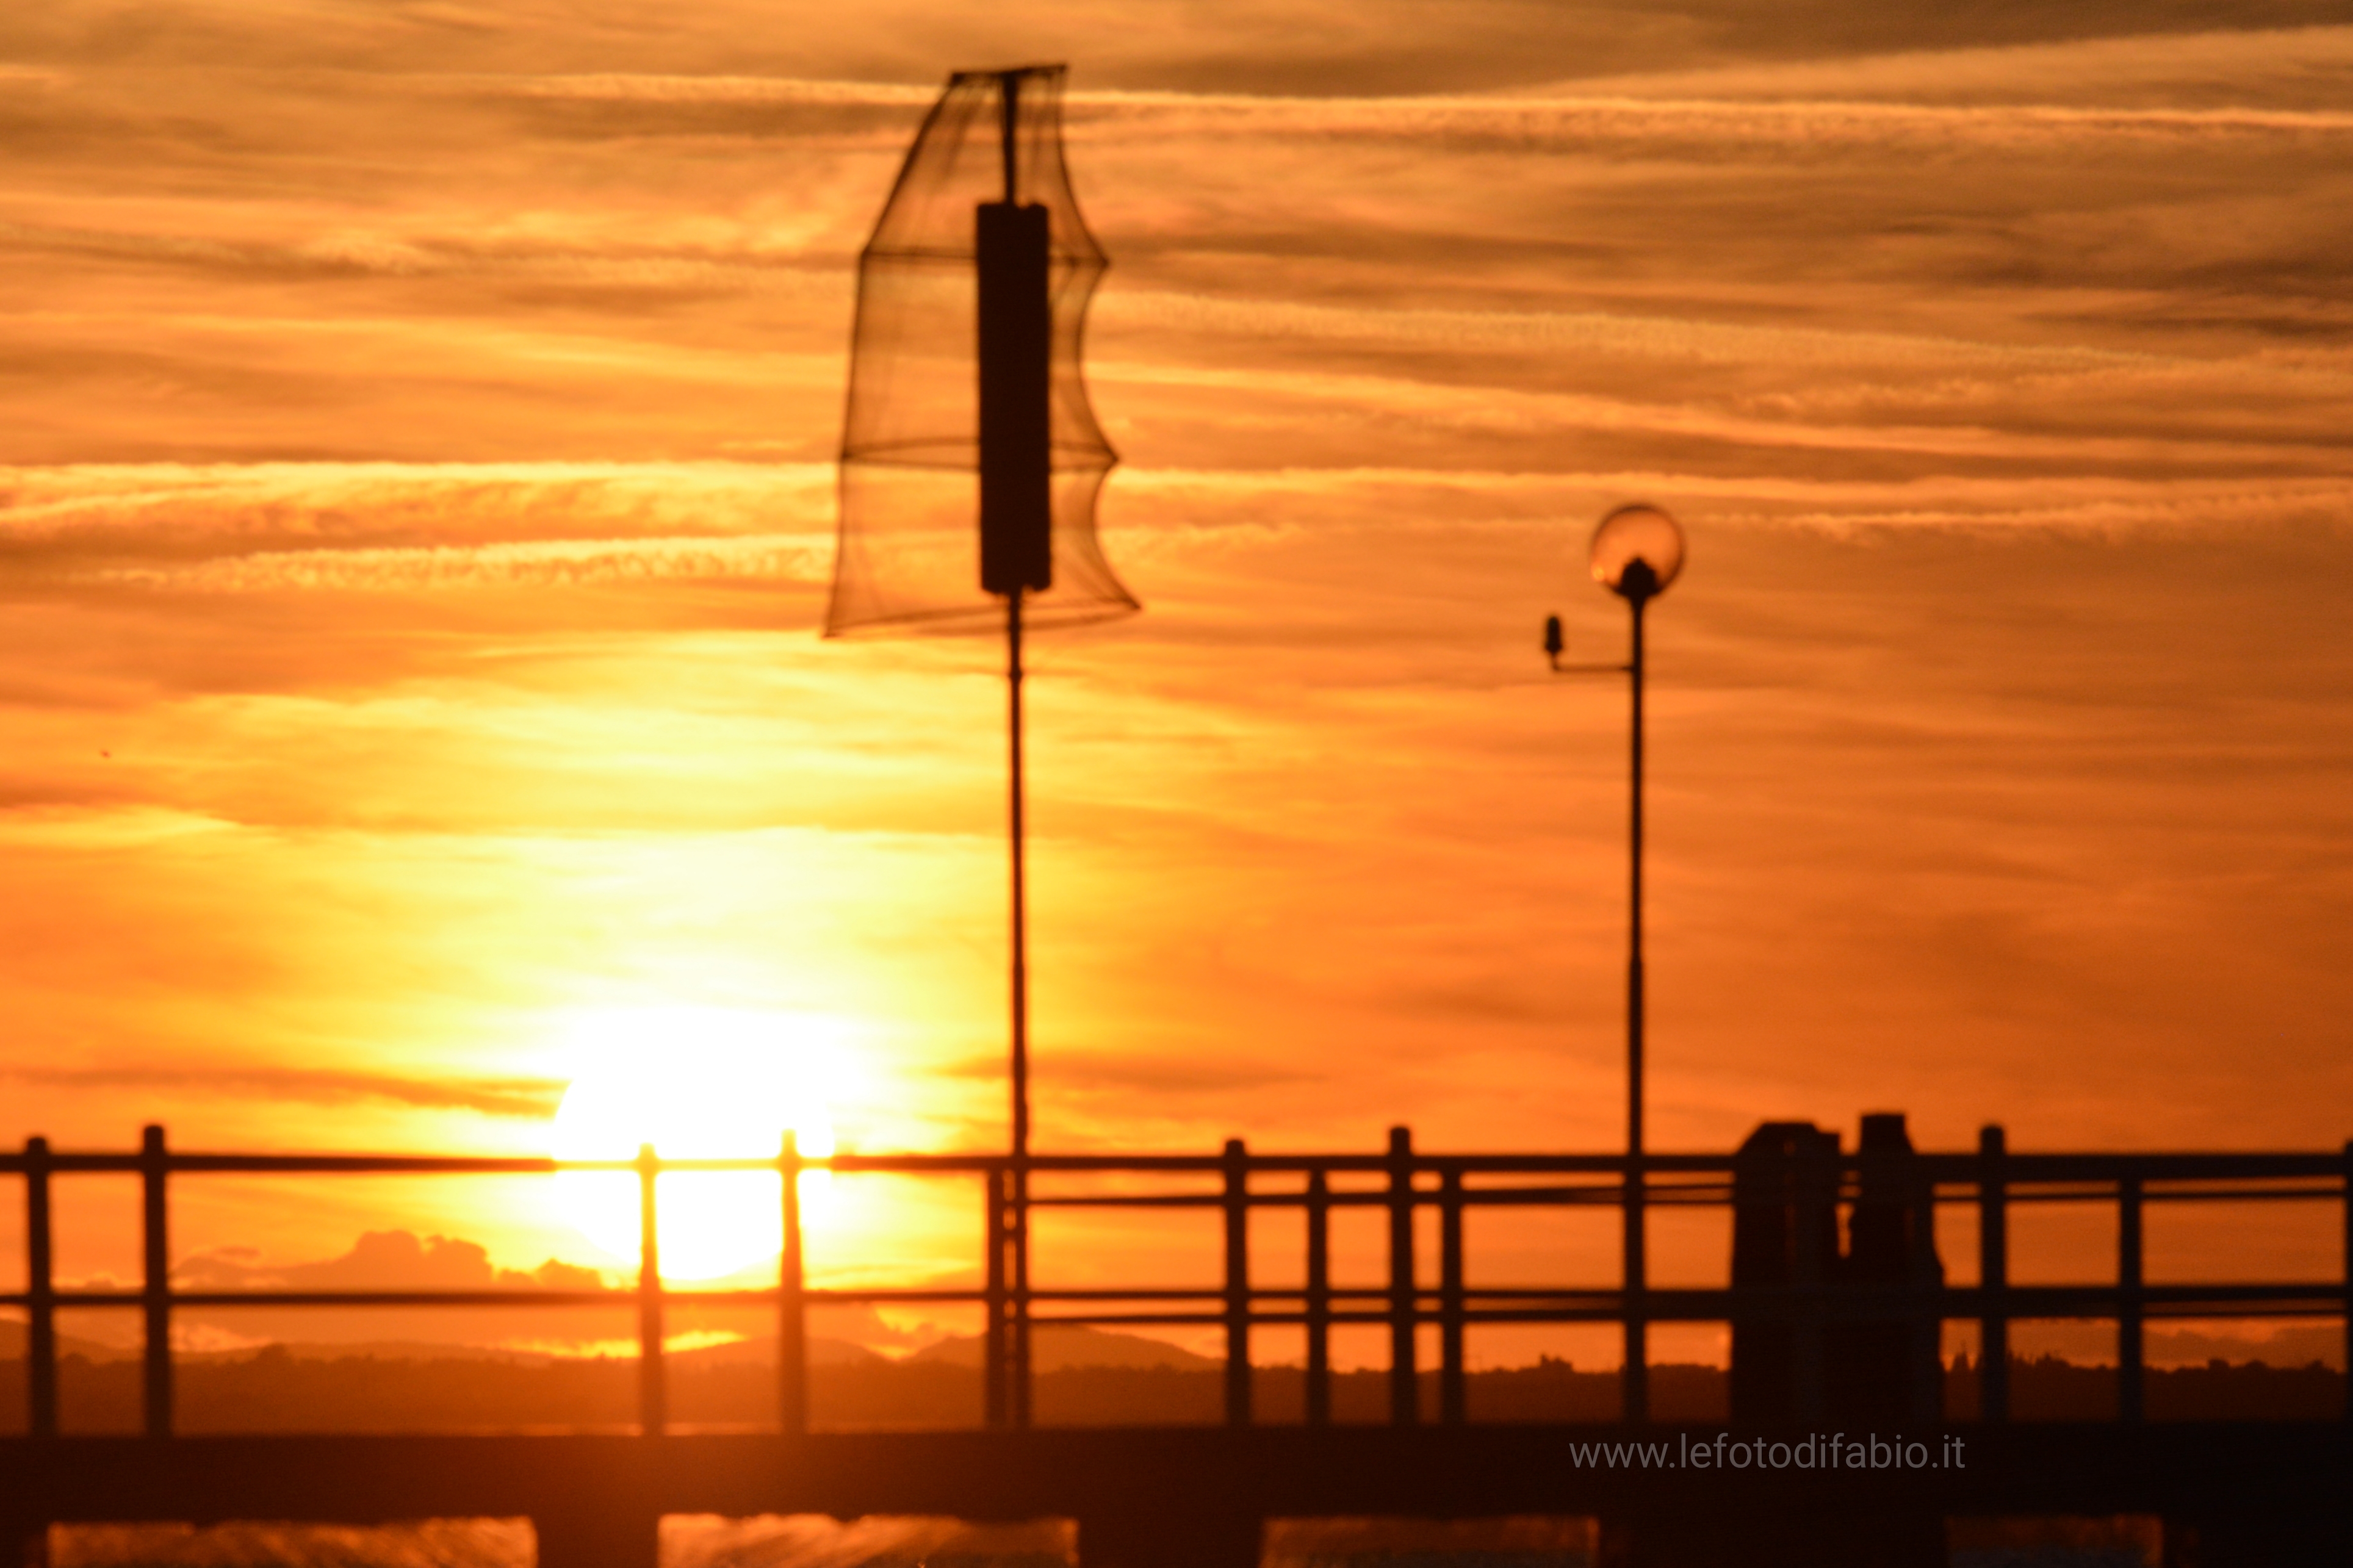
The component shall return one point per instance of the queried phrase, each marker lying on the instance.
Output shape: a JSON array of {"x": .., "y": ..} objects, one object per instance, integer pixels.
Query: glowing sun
[{"x": 696, "y": 1083}]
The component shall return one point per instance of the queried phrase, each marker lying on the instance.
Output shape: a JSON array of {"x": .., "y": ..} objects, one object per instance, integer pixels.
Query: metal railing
[{"x": 1401, "y": 1180}]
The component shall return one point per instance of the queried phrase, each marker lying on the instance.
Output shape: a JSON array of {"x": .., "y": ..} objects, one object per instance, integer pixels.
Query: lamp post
[{"x": 1635, "y": 553}]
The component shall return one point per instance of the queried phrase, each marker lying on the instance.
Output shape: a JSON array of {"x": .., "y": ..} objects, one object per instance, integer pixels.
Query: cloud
[
  {"x": 225, "y": 526},
  {"x": 381, "y": 1260},
  {"x": 400, "y": 1260},
  {"x": 2280, "y": 67},
  {"x": 783, "y": 558},
  {"x": 418, "y": 428},
  {"x": 530, "y": 1099}
]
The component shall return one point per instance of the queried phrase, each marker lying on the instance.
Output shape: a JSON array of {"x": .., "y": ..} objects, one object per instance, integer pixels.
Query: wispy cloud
[
  {"x": 532, "y": 1099},
  {"x": 418, "y": 500}
]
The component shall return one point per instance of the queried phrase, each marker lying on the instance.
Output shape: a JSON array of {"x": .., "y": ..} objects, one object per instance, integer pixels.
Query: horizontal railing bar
[
  {"x": 1204, "y": 1318},
  {"x": 2236, "y": 1194},
  {"x": 1961, "y": 1171},
  {"x": 1849, "y": 1299},
  {"x": 1155, "y": 1201},
  {"x": 2108, "y": 1166},
  {"x": 1472, "y": 1197},
  {"x": 184, "y": 1162},
  {"x": 2201, "y": 1311},
  {"x": 2106, "y": 1194},
  {"x": 514, "y": 1297}
]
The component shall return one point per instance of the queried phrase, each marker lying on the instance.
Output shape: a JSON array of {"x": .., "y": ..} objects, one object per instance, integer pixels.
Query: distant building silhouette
[
  {"x": 1881, "y": 1373},
  {"x": 1784, "y": 1231},
  {"x": 1855, "y": 1356},
  {"x": 1870, "y": 1363}
]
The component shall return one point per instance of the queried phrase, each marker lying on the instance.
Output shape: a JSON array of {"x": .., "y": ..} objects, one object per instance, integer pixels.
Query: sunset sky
[{"x": 417, "y": 424}]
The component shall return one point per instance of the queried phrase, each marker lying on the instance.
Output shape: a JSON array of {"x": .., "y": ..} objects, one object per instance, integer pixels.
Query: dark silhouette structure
[
  {"x": 1830, "y": 1340},
  {"x": 1883, "y": 1369},
  {"x": 970, "y": 463},
  {"x": 2251, "y": 1492},
  {"x": 1784, "y": 1242}
]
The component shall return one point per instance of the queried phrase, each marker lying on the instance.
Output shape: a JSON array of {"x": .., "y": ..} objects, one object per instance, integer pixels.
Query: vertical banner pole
[
  {"x": 993, "y": 1378},
  {"x": 1020, "y": 1173},
  {"x": 792, "y": 1316},
  {"x": 653, "y": 1405},
  {"x": 1013, "y": 246}
]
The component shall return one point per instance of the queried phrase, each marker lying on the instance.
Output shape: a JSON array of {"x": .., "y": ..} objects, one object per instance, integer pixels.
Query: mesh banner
[{"x": 924, "y": 473}]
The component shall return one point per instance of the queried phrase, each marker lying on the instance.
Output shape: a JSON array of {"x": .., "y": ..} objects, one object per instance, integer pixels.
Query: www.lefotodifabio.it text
[{"x": 1814, "y": 1451}]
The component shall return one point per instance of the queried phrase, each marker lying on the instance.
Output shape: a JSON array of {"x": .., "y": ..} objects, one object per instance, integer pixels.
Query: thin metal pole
[
  {"x": 1636, "y": 1397},
  {"x": 1020, "y": 1173},
  {"x": 792, "y": 1320},
  {"x": 155, "y": 1296},
  {"x": 993, "y": 1379},
  {"x": 653, "y": 1412},
  {"x": 1319, "y": 1299},
  {"x": 1993, "y": 1275},
  {"x": 1404, "y": 1379},
  {"x": 1634, "y": 918},
  {"x": 1008, "y": 129},
  {"x": 1450, "y": 1392},
  {"x": 1238, "y": 1312},
  {"x": 1817, "y": 1191},
  {"x": 40, "y": 1285},
  {"x": 2131, "y": 1379},
  {"x": 1927, "y": 1317}
]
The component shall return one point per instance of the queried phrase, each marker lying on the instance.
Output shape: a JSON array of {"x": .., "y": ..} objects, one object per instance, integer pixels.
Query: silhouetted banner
[{"x": 970, "y": 458}]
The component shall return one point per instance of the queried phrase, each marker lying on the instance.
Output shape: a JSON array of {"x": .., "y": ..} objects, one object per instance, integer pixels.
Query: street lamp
[{"x": 1637, "y": 551}]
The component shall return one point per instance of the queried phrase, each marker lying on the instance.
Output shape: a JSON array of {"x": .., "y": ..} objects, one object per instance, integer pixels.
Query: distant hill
[
  {"x": 1086, "y": 1379},
  {"x": 762, "y": 1351},
  {"x": 759, "y": 1351},
  {"x": 13, "y": 1335},
  {"x": 1057, "y": 1349}
]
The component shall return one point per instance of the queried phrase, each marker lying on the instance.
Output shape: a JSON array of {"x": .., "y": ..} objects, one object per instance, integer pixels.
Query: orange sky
[{"x": 416, "y": 512}]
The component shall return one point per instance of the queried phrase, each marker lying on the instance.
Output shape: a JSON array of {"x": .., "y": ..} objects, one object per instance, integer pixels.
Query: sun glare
[{"x": 696, "y": 1083}]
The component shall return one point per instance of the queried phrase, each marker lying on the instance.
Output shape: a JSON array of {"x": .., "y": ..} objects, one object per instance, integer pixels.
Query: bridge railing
[{"x": 1399, "y": 1182}]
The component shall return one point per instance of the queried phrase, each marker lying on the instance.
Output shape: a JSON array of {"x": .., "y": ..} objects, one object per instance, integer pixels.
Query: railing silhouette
[{"x": 1406, "y": 1182}]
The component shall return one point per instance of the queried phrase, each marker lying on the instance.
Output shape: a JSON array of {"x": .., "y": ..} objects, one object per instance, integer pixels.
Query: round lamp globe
[{"x": 1637, "y": 550}]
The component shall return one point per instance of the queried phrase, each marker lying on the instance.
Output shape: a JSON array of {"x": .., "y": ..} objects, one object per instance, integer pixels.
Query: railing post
[
  {"x": 1319, "y": 1299},
  {"x": 2348, "y": 1304},
  {"x": 2130, "y": 1378},
  {"x": 1817, "y": 1186},
  {"x": 1927, "y": 1318},
  {"x": 992, "y": 1343},
  {"x": 1450, "y": 1393},
  {"x": 155, "y": 1293},
  {"x": 653, "y": 1412},
  {"x": 1993, "y": 1275},
  {"x": 792, "y": 1318},
  {"x": 1634, "y": 1371},
  {"x": 1020, "y": 1385},
  {"x": 1405, "y": 1381},
  {"x": 40, "y": 1288},
  {"x": 1238, "y": 1314}
]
